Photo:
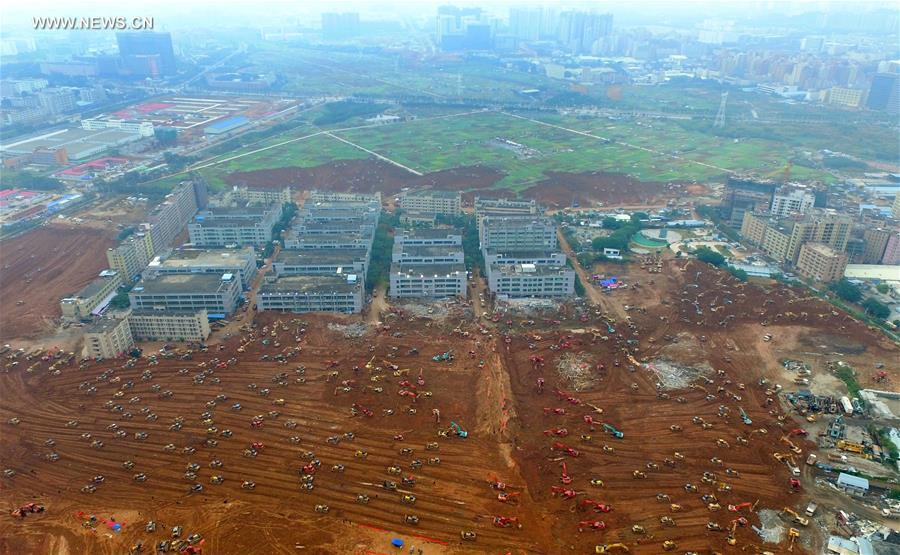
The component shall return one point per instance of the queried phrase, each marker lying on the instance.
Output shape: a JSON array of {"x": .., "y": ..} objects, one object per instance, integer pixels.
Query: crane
[
  {"x": 613, "y": 431},
  {"x": 457, "y": 429}
]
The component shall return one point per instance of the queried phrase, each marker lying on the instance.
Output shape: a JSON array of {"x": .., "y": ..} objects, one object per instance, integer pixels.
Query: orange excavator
[{"x": 741, "y": 506}]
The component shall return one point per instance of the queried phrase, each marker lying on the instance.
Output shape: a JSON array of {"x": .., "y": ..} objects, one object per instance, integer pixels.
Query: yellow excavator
[
  {"x": 793, "y": 534},
  {"x": 802, "y": 521},
  {"x": 610, "y": 547}
]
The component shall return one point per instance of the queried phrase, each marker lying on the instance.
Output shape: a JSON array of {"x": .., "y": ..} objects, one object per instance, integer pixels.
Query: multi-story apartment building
[
  {"x": 170, "y": 216},
  {"x": 892, "y": 249},
  {"x": 247, "y": 225},
  {"x": 107, "y": 338},
  {"x": 96, "y": 295},
  {"x": 329, "y": 242},
  {"x": 529, "y": 280},
  {"x": 241, "y": 262},
  {"x": 538, "y": 258},
  {"x": 414, "y": 255},
  {"x": 311, "y": 294},
  {"x": 330, "y": 196},
  {"x": 446, "y": 203},
  {"x": 821, "y": 262},
  {"x": 744, "y": 195},
  {"x": 132, "y": 255},
  {"x": 218, "y": 295},
  {"x": 169, "y": 325},
  {"x": 262, "y": 195},
  {"x": 781, "y": 238},
  {"x": 792, "y": 200},
  {"x": 503, "y": 208},
  {"x": 876, "y": 241},
  {"x": 321, "y": 262},
  {"x": 427, "y": 280},
  {"x": 436, "y": 237},
  {"x": 508, "y": 234}
]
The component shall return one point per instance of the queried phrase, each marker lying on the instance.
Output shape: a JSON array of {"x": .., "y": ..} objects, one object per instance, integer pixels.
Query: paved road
[{"x": 597, "y": 298}]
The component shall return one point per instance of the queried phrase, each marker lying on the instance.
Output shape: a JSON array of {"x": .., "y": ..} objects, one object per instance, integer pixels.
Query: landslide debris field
[
  {"x": 43, "y": 266},
  {"x": 342, "y": 405}
]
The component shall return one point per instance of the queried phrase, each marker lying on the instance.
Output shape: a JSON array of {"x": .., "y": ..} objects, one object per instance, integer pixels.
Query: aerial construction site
[{"x": 649, "y": 423}]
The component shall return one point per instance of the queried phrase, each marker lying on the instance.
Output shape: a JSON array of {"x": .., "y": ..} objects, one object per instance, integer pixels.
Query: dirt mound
[
  {"x": 562, "y": 188},
  {"x": 41, "y": 267},
  {"x": 366, "y": 176}
]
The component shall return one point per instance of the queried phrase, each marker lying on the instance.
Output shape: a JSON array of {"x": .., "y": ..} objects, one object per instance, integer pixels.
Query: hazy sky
[{"x": 183, "y": 13}]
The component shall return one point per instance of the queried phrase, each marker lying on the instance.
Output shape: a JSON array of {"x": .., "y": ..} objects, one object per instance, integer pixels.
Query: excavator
[
  {"x": 613, "y": 431},
  {"x": 802, "y": 521},
  {"x": 741, "y": 506},
  {"x": 793, "y": 534},
  {"x": 744, "y": 418},
  {"x": 669, "y": 545},
  {"x": 443, "y": 356},
  {"x": 610, "y": 547},
  {"x": 460, "y": 433},
  {"x": 740, "y": 521}
]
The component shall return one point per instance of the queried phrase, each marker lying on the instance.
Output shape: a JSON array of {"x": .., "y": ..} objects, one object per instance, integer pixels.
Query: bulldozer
[
  {"x": 669, "y": 545},
  {"x": 467, "y": 536}
]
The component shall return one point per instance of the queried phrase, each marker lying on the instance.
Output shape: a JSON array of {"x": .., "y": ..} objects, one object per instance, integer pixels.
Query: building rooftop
[
  {"x": 821, "y": 249},
  {"x": 425, "y": 250},
  {"x": 513, "y": 221},
  {"x": 852, "y": 481},
  {"x": 341, "y": 238},
  {"x": 186, "y": 258},
  {"x": 525, "y": 253},
  {"x": 103, "y": 325},
  {"x": 529, "y": 269},
  {"x": 229, "y": 222},
  {"x": 434, "y": 193},
  {"x": 323, "y": 256},
  {"x": 96, "y": 285},
  {"x": 307, "y": 285},
  {"x": 428, "y": 269},
  {"x": 174, "y": 284},
  {"x": 429, "y": 233},
  {"x": 154, "y": 312}
]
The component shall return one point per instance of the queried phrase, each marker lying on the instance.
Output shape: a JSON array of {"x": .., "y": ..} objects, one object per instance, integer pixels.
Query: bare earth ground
[
  {"x": 43, "y": 266},
  {"x": 498, "y": 404},
  {"x": 559, "y": 189}
]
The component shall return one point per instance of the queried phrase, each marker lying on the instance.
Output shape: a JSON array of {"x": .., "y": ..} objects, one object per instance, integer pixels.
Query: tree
[
  {"x": 847, "y": 291},
  {"x": 611, "y": 223},
  {"x": 876, "y": 308},
  {"x": 738, "y": 273},
  {"x": 882, "y": 288},
  {"x": 706, "y": 254}
]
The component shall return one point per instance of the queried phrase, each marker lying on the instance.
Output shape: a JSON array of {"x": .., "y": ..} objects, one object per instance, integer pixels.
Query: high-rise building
[
  {"x": 336, "y": 26},
  {"x": 876, "y": 240},
  {"x": 147, "y": 53},
  {"x": 579, "y": 31},
  {"x": 744, "y": 195},
  {"x": 525, "y": 23},
  {"x": 791, "y": 200},
  {"x": 821, "y": 262},
  {"x": 884, "y": 94}
]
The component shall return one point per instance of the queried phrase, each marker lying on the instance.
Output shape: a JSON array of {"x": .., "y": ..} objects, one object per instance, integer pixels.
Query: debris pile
[
  {"x": 772, "y": 527},
  {"x": 575, "y": 368},
  {"x": 675, "y": 376},
  {"x": 356, "y": 329}
]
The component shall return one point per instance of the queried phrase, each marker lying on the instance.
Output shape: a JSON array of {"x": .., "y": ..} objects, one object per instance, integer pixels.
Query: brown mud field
[
  {"x": 338, "y": 401},
  {"x": 561, "y": 189},
  {"x": 43, "y": 266}
]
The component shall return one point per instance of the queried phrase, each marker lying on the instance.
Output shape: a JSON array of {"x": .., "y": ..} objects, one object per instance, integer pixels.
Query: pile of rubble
[
  {"x": 675, "y": 376},
  {"x": 356, "y": 329},
  {"x": 576, "y": 369},
  {"x": 772, "y": 528}
]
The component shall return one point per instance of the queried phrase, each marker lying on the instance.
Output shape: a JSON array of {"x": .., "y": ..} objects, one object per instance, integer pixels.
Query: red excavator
[
  {"x": 597, "y": 507},
  {"x": 27, "y": 509},
  {"x": 565, "y": 478},
  {"x": 558, "y": 446},
  {"x": 591, "y": 525},
  {"x": 505, "y": 521},
  {"x": 563, "y": 492},
  {"x": 558, "y": 432}
]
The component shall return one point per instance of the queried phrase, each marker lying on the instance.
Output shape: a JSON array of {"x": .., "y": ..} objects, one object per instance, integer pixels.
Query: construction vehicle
[
  {"x": 741, "y": 506},
  {"x": 443, "y": 357},
  {"x": 610, "y": 547},
  {"x": 565, "y": 478},
  {"x": 613, "y": 431},
  {"x": 457, "y": 429},
  {"x": 557, "y": 446},
  {"x": 505, "y": 521},
  {"x": 468, "y": 536},
  {"x": 857, "y": 448},
  {"x": 793, "y": 534},
  {"x": 675, "y": 508},
  {"x": 322, "y": 509},
  {"x": 596, "y": 482},
  {"x": 592, "y": 525},
  {"x": 505, "y": 497},
  {"x": 669, "y": 545},
  {"x": 638, "y": 529},
  {"x": 667, "y": 521},
  {"x": 408, "y": 499},
  {"x": 690, "y": 488},
  {"x": 802, "y": 521},
  {"x": 744, "y": 418},
  {"x": 795, "y": 485},
  {"x": 362, "y": 499},
  {"x": 713, "y": 526},
  {"x": 811, "y": 508},
  {"x": 598, "y": 507},
  {"x": 565, "y": 493},
  {"x": 637, "y": 474},
  {"x": 794, "y": 449}
]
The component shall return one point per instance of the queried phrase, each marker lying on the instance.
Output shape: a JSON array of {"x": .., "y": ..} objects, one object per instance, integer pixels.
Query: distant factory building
[{"x": 226, "y": 125}]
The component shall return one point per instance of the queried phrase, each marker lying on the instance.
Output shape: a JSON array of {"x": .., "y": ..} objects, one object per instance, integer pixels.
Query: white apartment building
[
  {"x": 529, "y": 280},
  {"x": 447, "y": 203},
  {"x": 321, "y": 262},
  {"x": 792, "y": 200},
  {"x": 301, "y": 294},
  {"x": 250, "y": 225},
  {"x": 435, "y": 237},
  {"x": 511, "y": 234},
  {"x": 218, "y": 295},
  {"x": 259, "y": 195},
  {"x": 407, "y": 255},
  {"x": 428, "y": 280},
  {"x": 96, "y": 294},
  {"x": 169, "y": 325},
  {"x": 241, "y": 262}
]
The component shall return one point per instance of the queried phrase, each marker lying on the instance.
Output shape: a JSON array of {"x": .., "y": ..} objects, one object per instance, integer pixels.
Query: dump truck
[{"x": 811, "y": 508}]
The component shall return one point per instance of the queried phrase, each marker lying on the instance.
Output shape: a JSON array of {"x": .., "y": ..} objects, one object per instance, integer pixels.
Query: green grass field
[{"x": 429, "y": 145}]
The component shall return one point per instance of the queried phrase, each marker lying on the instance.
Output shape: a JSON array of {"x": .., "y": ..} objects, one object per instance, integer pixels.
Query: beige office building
[
  {"x": 169, "y": 325},
  {"x": 100, "y": 290},
  {"x": 821, "y": 263},
  {"x": 107, "y": 338}
]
